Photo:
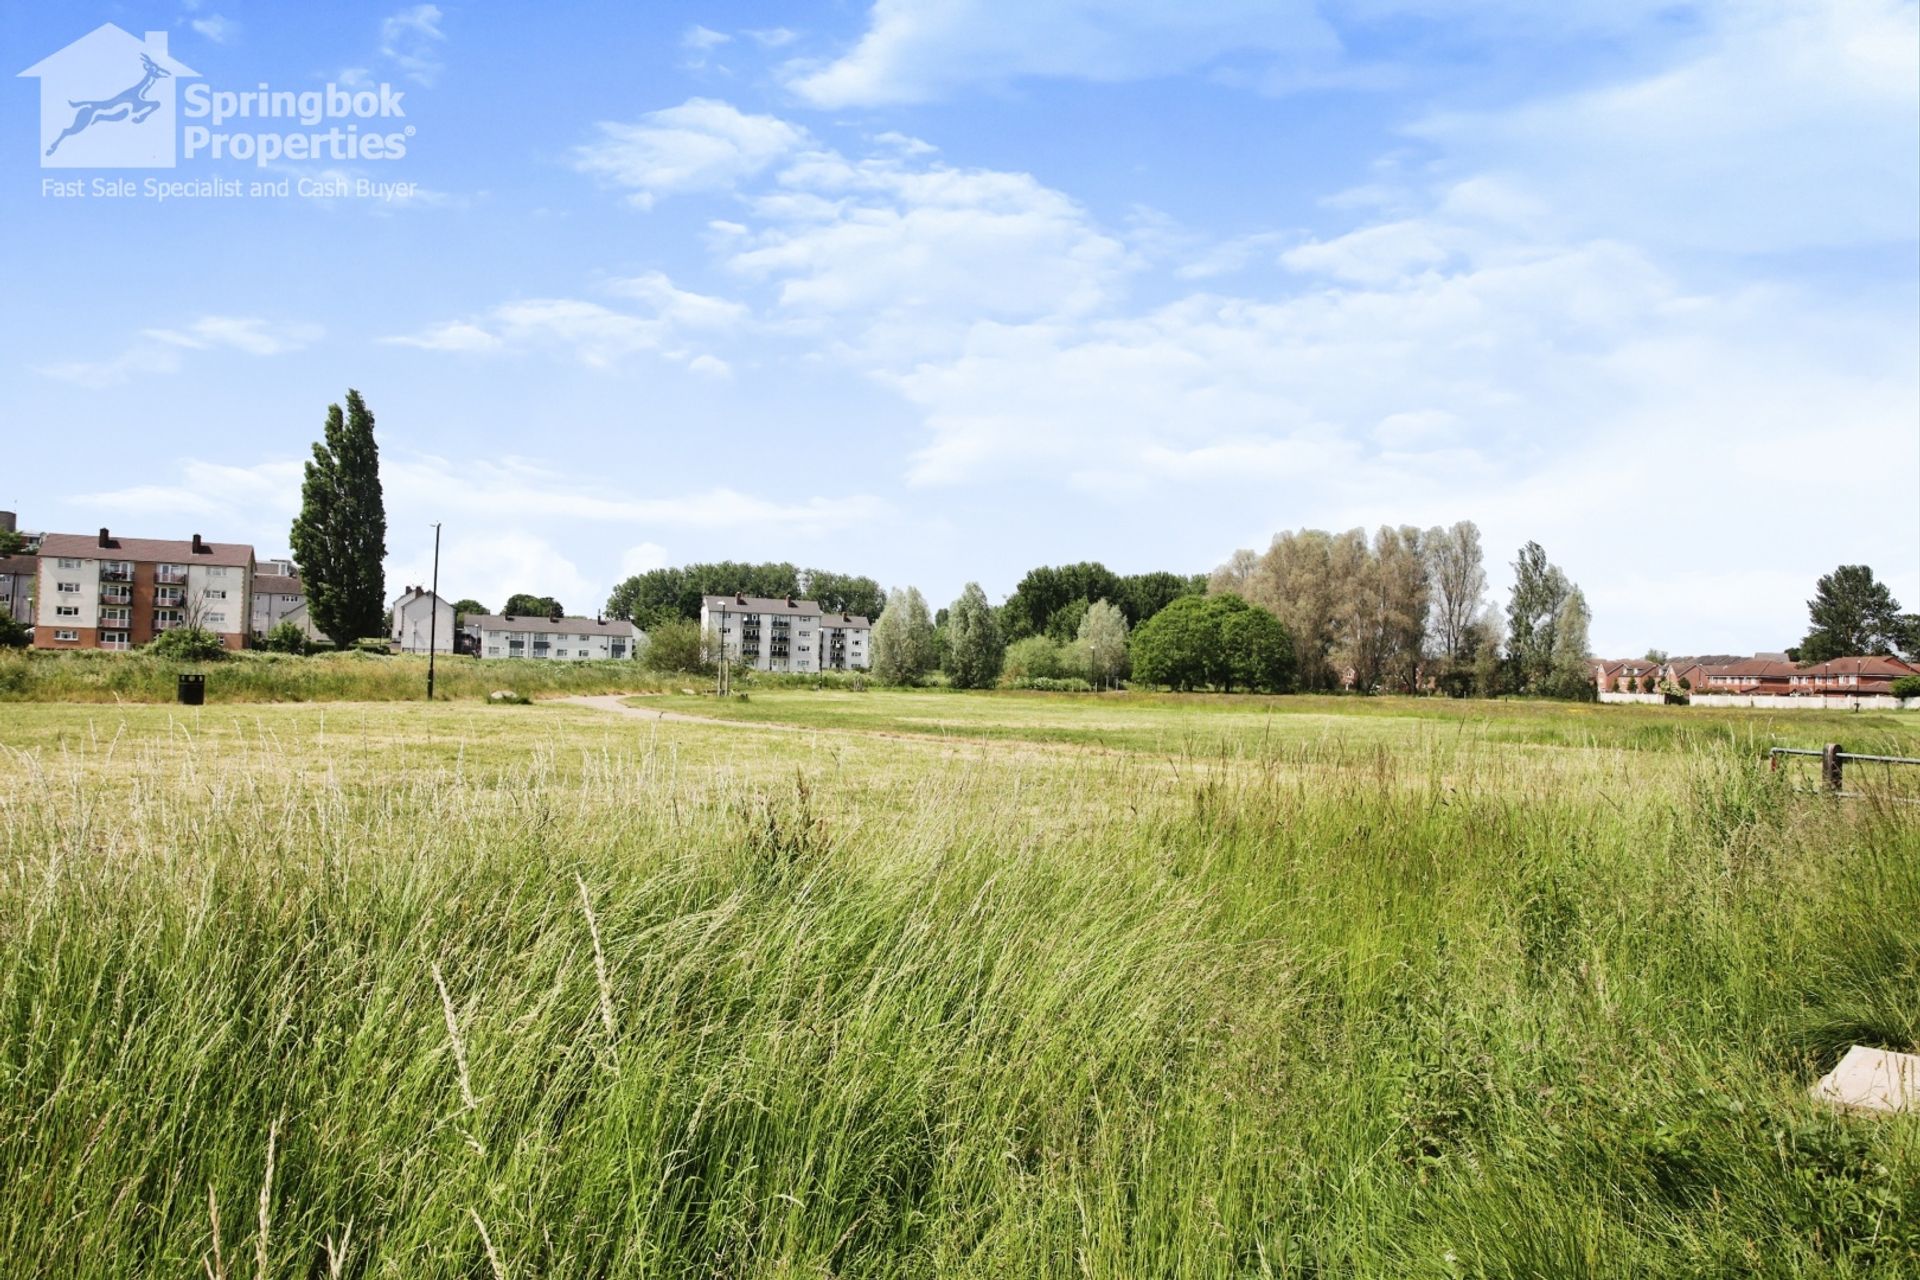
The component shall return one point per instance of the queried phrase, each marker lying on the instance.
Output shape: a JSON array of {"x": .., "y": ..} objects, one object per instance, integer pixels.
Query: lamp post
[{"x": 433, "y": 612}]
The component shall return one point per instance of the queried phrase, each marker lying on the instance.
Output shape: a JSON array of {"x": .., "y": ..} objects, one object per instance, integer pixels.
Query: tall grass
[
  {"x": 590, "y": 1003},
  {"x": 94, "y": 676}
]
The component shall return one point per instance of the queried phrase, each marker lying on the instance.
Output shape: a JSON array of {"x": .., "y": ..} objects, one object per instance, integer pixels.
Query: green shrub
[
  {"x": 1906, "y": 687},
  {"x": 286, "y": 637},
  {"x": 1053, "y": 684},
  {"x": 1034, "y": 658},
  {"x": 677, "y": 647},
  {"x": 373, "y": 644},
  {"x": 14, "y": 635},
  {"x": 188, "y": 644}
]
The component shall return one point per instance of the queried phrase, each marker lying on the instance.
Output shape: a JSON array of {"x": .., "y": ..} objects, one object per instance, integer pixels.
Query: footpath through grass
[{"x": 467, "y": 991}]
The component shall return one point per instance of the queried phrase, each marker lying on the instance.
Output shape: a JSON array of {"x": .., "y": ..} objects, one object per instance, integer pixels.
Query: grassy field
[
  {"x": 940, "y": 984},
  {"x": 30, "y": 675}
]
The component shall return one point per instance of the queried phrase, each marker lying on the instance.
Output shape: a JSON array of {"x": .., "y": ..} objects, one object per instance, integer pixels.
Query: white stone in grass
[{"x": 1872, "y": 1080}]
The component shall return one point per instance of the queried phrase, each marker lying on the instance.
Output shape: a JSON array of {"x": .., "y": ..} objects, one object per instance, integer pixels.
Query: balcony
[
  {"x": 115, "y": 573},
  {"x": 168, "y": 573},
  {"x": 169, "y": 599},
  {"x": 116, "y": 595}
]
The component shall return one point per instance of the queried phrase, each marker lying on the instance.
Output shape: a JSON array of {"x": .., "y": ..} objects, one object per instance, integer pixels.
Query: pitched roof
[
  {"x": 28, "y": 566},
  {"x": 1876, "y": 666},
  {"x": 761, "y": 604},
  {"x": 274, "y": 584},
  {"x": 523, "y": 623},
  {"x": 86, "y": 546},
  {"x": 781, "y": 604}
]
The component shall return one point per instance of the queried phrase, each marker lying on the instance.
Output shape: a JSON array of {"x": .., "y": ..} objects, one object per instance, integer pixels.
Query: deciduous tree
[
  {"x": 1103, "y": 638},
  {"x": 974, "y": 649},
  {"x": 904, "y": 649},
  {"x": 522, "y": 604}
]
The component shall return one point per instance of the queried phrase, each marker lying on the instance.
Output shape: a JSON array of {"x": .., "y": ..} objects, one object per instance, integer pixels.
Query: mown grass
[
  {"x": 545, "y": 991},
  {"x": 1149, "y": 721},
  {"x": 94, "y": 676}
]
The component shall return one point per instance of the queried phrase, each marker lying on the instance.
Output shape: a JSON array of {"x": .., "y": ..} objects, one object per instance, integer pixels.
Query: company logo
[{"x": 107, "y": 102}]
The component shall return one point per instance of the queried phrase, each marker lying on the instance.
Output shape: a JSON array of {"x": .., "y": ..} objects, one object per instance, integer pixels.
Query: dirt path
[{"x": 617, "y": 702}]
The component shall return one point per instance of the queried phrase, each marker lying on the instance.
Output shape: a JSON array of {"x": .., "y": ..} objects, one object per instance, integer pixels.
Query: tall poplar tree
[{"x": 340, "y": 536}]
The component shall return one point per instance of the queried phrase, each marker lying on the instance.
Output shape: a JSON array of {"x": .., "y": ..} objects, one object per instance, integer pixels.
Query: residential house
[
  {"x": 771, "y": 633},
  {"x": 553, "y": 638},
  {"x": 17, "y": 575},
  {"x": 1626, "y": 675},
  {"x": 104, "y": 592},
  {"x": 276, "y": 591},
  {"x": 420, "y": 619},
  {"x": 301, "y": 616},
  {"x": 1852, "y": 676}
]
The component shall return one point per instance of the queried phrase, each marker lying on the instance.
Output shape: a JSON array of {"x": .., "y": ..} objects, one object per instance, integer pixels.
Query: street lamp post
[{"x": 433, "y": 612}]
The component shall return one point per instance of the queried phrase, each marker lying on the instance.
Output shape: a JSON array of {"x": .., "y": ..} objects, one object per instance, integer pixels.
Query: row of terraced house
[{"x": 1765, "y": 674}]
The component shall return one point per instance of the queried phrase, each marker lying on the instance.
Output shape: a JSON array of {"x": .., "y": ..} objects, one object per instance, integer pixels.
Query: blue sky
[{"x": 939, "y": 291}]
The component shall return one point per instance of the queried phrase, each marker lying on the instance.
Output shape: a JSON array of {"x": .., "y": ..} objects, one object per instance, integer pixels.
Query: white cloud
[
  {"x": 700, "y": 145},
  {"x": 411, "y": 40},
  {"x": 701, "y": 39},
  {"x": 915, "y": 254},
  {"x": 216, "y": 28},
  {"x": 642, "y": 558},
  {"x": 162, "y": 351},
  {"x": 595, "y": 334},
  {"x": 510, "y": 524},
  {"x": 919, "y": 52},
  {"x": 773, "y": 37},
  {"x": 1792, "y": 124}
]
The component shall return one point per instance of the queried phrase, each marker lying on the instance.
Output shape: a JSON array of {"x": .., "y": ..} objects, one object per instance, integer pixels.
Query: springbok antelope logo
[
  {"x": 110, "y": 77},
  {"x": 132, "y": 105}
]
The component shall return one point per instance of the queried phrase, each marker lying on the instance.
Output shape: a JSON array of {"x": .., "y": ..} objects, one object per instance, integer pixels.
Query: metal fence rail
[{"x": 1833, "y": 761}]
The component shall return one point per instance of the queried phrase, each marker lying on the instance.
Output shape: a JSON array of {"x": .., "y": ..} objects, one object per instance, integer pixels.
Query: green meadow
[{"x": 941, "y": 984}]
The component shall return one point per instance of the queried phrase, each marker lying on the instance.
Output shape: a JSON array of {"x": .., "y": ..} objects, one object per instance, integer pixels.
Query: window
[
  {"x": 67, "y": 563},
  {"x": 66, "y": 611},
  {"x": 66, "y": 635},
  {"x": 67, "y": 588},
  {"x": 114, "y": 640},
  {"x": 217, "y": 619},
  {"x": 109, "y": 616},
  {"x": 493, "y": 651},
  {"x": 211, "y": 594},
  {"x": 216, "y": 571}
]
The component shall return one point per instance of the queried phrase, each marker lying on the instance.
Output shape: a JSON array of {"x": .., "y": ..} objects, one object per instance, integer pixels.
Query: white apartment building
[
  {"x": 555, "y": 639},
  {"x": 415, "y": 625},
  {"x": 118, "y": 593},
  {"x": 784, "y": 634},
  {"x": 276, "y": 593}
]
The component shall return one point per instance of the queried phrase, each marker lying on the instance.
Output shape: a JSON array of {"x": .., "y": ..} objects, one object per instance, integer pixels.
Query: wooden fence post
[{"x": 1830, "y": 766}]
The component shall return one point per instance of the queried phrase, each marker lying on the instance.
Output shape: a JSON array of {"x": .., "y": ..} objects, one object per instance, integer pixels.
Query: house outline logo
[{"x": 109, "y": 101}]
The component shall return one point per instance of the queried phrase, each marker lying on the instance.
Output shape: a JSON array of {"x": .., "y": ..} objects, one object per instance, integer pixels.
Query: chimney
[
  {"x": 739, "y": 598},
  {"x": 105, "y": 541},
  {"x": 790, "y": 602},
  {"x": 8, "y": 523},
  {"x": 506, "y": 617},
  {"x": 200, "y": 548}
]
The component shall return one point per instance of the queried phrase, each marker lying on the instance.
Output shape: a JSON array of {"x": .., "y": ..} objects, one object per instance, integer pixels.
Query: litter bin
[{"x": 193, "y": 690}]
